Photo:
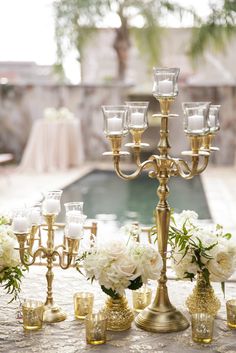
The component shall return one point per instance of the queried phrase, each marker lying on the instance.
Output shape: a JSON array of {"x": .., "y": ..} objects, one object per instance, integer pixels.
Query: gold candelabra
[
  {"x": 52, "y": 312},
  {"x": 161, "y": 315}
]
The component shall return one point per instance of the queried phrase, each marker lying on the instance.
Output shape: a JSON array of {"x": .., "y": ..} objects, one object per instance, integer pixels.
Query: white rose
[
  {"x": 182, "y": 264},
  {"x": 125, "y": 267},
  {"x": 186, "y": 217},
  {"x": 221, "y": 267},
  {"x": 114, "y": 250}
]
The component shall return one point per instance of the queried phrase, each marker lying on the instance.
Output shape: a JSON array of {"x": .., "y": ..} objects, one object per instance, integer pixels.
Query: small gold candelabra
[
  {"x": 50, "y": 252},
  {"x": 161, "y": 315}
]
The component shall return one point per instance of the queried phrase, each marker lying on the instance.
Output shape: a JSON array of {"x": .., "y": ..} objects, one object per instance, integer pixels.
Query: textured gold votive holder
[
  {"x": 96, "y": 326},
  {"x": 32, "y": 311},
  {"x": 202, "y": 327},
  {"x": 83, "y": 304},
  {"x": 231, "y": 313},
  {"x": 141, "y": 298}
]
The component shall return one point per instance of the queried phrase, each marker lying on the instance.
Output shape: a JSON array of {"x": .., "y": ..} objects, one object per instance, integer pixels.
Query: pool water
[{"x": 103, "y": 192}]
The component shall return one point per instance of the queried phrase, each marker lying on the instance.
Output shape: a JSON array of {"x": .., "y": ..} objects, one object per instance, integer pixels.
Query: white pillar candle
[
  {"x": 74, "y": 230},
  {"x": 137, "y": 119},
  {"x": 51, "y": 206},
  {"x": 165, "y": 87},
  {"x": 20, "y": 224},
  {"x": 35, "y": 217},
  {"x": 196, "y": 123},
  {"x": 114, "y": 125}
]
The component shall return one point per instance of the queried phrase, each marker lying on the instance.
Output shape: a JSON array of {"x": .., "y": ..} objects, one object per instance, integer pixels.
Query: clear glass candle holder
[
  {"x": 202, "y": 327},
  {"x": 115, "y": 120},
  {"x": 35, "y": 215},
  {"x": 83, "y": 304},
  {"x": 51, "y": 204},
  {"x": 21, "y": 222},
  {"x": 74, "y": 208},
  {"x": 137, "y": 115},
  {"x": 165, "y": 82},
  {"x": 213, "y": 118},
  {"x": 95, "y": 327},
  {"x": 32, "y": 311},
  {"x": 141, "y": 298},
  {"x": 75, "y": 226},
  {"x": 231, "y": 313},
  {"x": 196, "y": 118}
]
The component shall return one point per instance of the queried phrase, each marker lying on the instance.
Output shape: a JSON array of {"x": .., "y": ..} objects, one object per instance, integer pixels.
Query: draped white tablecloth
[{"x": 53, "y": 145}]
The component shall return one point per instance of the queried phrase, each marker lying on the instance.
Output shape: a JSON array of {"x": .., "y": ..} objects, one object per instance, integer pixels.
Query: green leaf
[
  {"x": 223, "y": 288},
  {"x": 136, "y": 283},
  {"x": 112, "y": 293}
]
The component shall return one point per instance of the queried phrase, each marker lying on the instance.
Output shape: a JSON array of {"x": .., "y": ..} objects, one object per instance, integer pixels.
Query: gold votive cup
[
  {"x": 202, "y": 327},
  {"x": 141, "y": 298},
  {"x": 231, "y": 313},
  {"x": 32, "y": 311},
  {"x": 83, "y": 304},
  {"x": 95, "y": 327}
]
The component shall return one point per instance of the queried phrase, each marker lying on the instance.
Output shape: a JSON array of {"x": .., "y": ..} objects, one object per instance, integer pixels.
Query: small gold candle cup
[
  {"x": 141, "y": 298},
  {"x": 202, "y": 327},
  {"x": 32, "y": 311},
  {"x": 83, "y": 304},
  {"x": 231, "y": 313},
  {"x": 96, "y": 326}
]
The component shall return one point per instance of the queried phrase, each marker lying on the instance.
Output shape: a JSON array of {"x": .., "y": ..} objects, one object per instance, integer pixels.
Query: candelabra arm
[
  {"x": 60, "y": 257},
  {"x": 204, "y": 165},
  {"x": 134, "y": 174},
  {"x": 184, "y": 170}
]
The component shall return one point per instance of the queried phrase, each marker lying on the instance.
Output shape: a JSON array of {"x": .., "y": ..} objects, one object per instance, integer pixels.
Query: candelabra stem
[{"x": 52, "y": 313}]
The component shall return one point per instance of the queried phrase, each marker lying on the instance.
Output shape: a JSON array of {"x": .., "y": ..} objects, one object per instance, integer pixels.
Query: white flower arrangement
[
  {"x": 62, "y": 113},
  {"x": 11, "y": 271},
  {"x": 200, "y": 249},
  {"x": 117, "y": 265}
]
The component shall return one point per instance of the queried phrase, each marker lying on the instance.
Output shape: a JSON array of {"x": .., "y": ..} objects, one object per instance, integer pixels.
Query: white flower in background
[
  {"x": 187, "y": 218},
  {"x": 183, "y": 264},
  {"x": 65, "y": 113},
  {"x": 50, "y": 113}
]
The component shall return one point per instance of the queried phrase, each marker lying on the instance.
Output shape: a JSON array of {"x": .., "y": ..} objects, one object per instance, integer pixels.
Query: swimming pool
[{"x": 103, "y": 192}]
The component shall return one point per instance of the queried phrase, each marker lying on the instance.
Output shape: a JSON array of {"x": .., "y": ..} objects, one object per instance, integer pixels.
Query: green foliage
[
  {"x": 136, "y": 283},
  {"x": 113, "y": 294},
  {"x": 10, "y": 280}
]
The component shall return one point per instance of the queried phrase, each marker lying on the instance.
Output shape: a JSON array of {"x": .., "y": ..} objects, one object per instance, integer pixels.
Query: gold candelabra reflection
[
  {"x": 52, "y": 313},
  {"x": 161, "y": 315}
]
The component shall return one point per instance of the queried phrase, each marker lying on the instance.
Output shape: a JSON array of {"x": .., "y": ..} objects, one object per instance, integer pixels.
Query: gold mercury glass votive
[
  {"x": 32, "y": 311},
  {"x": 83, "y": 304},
  {"x": 96, "y": 326},
  {"x": 202, "y": 327},
  {"x": 141, "y": 298},
  {"x": 231, "y": 313}
]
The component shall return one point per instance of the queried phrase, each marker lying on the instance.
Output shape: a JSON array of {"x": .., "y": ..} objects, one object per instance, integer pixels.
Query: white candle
[
  {"x": 35, "y": 217},
  {"x": 114, "y": 125},
  {"x": 74, "y": 230},
  {"x": 165, "y": 87},
  {"x": 137, "y": 120},
  {"x": 20, "y": 224},
  {"x": 51, "y": 206},
  {"x": 196, "y": 123}
]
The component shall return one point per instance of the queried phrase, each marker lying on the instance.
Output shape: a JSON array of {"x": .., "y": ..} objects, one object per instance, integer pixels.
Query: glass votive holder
[
  {"x": 202, "y": 327},
  {"x": 51, "y": 204},
  {"x": 214, "y": 118},
  {"x": 73, "y": 208},
  {"x": 95, "y": 327},
  {"x": 32, "y": 312},
  {"x": 141, "y": 298},
  {"x": 75, "y": 226},
  {"x": 165, "y": 82},
  {"x": 137, "y": 115},
  {"x": 231, "y": 313},
  {"x": 115, "y": 120},
  {"x": 83, "y": 304},
  {"x": 35, "y": 215},
  {"x": 21, "y": 222},
  {"x": 196, "y": 121}
]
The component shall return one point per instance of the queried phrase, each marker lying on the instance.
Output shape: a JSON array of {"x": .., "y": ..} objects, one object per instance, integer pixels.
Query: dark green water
[{"x": 103, "y": 192}]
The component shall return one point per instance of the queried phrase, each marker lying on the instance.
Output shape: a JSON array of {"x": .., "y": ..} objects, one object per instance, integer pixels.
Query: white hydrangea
[{"x": 9, "y": 257}]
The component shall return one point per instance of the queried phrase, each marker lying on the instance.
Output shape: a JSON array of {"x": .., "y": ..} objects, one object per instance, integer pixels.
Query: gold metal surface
[
  {"x": 52, "y": 313},
  {"x": 161, "y": 315}
]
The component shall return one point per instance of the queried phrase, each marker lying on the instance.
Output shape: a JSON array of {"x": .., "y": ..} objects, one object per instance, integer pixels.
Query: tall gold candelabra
[
  {"x": 52, "y": 313},
  {"x": 161, "y": 315}
]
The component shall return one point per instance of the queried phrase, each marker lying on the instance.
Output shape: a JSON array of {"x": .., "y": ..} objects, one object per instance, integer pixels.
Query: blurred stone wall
[{"x": 20, "y": 106}]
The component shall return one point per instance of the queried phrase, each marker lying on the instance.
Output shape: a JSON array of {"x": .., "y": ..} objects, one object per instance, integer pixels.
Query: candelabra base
[
  {"x": 53, "y": 313},
  {"x": 152, "y": 320}
]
